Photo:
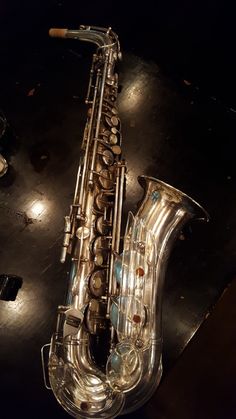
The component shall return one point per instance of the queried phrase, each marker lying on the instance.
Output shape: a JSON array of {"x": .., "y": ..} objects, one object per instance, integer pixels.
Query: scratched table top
[{"x": 172, "y": 130}]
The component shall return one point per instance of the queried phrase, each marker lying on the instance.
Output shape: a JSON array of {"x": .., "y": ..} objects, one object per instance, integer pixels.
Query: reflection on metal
[
  {"x": 3, "y": 166},
  {"x": 115, "y": 291},
  {"x": 3, "y": 127},
  {"x": 44, "y": 360},
  {"x": 3, "y": 124}
]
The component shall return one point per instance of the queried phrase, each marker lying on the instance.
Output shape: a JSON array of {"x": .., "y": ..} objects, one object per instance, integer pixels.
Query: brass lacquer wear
[{"x": 116, "y": 284}]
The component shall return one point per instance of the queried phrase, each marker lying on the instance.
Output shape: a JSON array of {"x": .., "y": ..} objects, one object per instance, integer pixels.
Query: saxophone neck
[
  {"x": 104, "y": 38},
  {"x": 107, "y": 42}
]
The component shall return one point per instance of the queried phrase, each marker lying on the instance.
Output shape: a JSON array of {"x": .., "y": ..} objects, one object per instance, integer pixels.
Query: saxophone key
[
  {"x": 114, "y": 111},
  {"x": 102, "y": 227},
  {"x": 108, "y": 157},
  {"x": 108, "y": 121},
  {"x": 116, "y": 149},
  {"x": 67, "y": 226},
  {"x": 82, "y": 233},
  {"x": 114, "y": 121},
  {"x": 105, "y": 133},
  {"x": 99, "y": 244},
  {"x": 97, "y": 283},
  {"x": 99, "y": 259},
  {"x": 102, "y": 201},
  {"x": 95, "y": 317},
  {"x": 114, "y": 130},
  {"x": 113, "y": 98},
  {"x": 106, "y": 179},
  {"x": 73, "y": 321},
  {"x": 63, "y": 254},
  {"x": 113, "y": 138},
  {"x": 66, "y": 240}
]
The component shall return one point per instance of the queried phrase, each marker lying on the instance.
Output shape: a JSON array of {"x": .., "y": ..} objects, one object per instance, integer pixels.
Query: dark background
[
  {"x": 193, "y": 40},
  {"x": 183, "y": 131}
]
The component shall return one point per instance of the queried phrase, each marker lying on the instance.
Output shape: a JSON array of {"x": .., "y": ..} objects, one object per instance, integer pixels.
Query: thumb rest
[{"x": 105, "y": 355}]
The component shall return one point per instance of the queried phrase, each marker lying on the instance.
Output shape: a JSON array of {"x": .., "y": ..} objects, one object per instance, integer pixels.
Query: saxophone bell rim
[{"x": 194, "y": 207}]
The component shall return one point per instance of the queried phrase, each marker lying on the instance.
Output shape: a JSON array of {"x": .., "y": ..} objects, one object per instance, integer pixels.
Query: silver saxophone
[{"x": 105, "y": 357}]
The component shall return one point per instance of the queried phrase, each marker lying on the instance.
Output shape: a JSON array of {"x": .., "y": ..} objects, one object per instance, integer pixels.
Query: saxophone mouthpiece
[{"x": 57, "y": 32}]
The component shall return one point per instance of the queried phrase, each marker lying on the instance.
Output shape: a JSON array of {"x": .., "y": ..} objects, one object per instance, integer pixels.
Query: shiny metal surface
[
  {"x": 84, "y": 391},
  {"x": 3, "y": 166},
  {"x": 149, "y": 238},
  {"x": 133, "y": 299}
]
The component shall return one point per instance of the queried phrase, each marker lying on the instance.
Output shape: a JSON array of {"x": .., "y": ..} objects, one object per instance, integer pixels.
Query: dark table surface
[{"x": 173, "y": 129}]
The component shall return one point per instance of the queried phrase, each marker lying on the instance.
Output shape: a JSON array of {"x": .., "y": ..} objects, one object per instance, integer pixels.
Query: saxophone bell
[{"x": 140, "y": 271}]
